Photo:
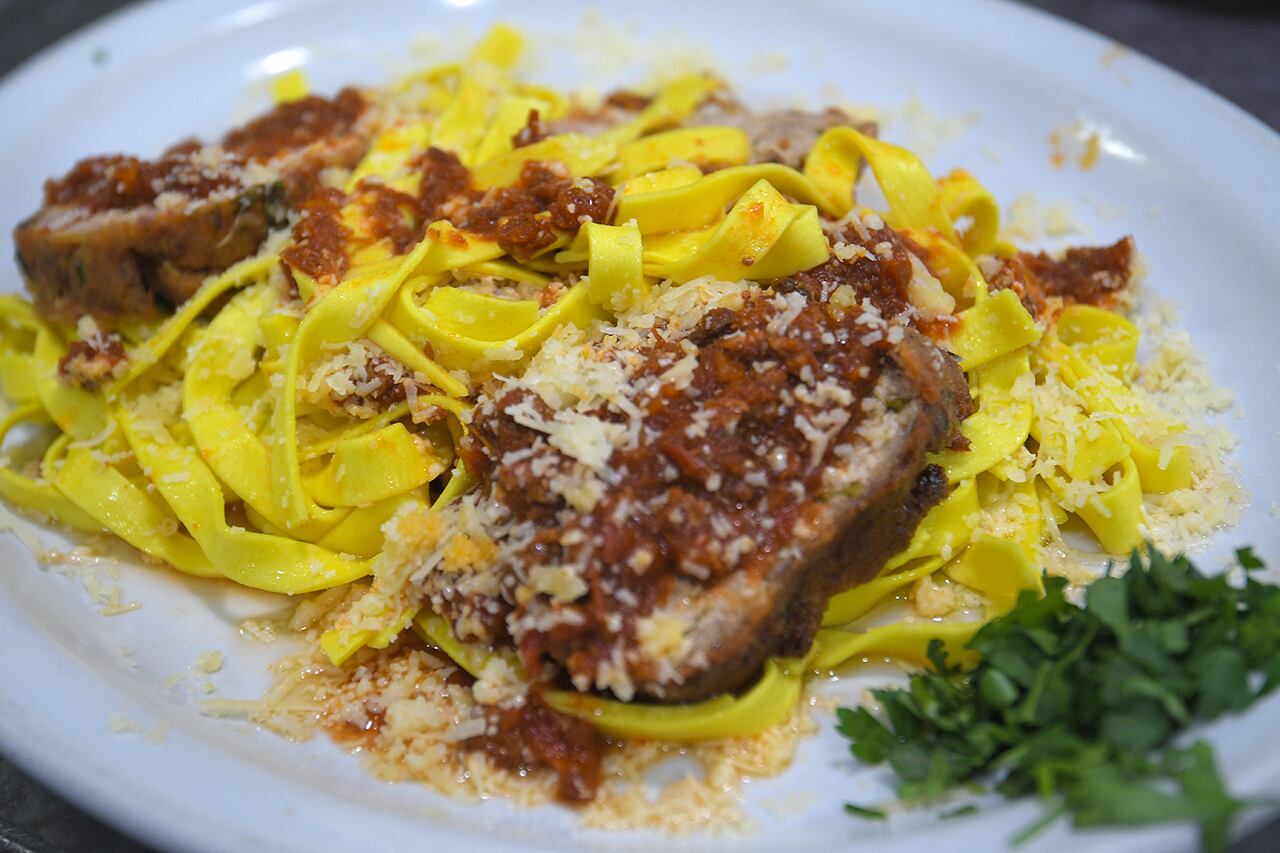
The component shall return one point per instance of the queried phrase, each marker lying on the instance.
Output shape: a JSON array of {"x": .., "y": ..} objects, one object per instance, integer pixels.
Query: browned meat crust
[
  {"x": 136, "y": 263},
  {"x": 124, "y": 238}
]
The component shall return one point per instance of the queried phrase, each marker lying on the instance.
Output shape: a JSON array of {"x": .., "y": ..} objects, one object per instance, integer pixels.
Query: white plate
[{"x": 1192, "y": 177}]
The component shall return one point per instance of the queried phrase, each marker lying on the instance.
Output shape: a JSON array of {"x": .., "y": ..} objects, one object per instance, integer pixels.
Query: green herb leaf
[
  {"x": 1107, "y": 599},
  {"x": 872, "y": 742},
  {"x": 1223, "y": 682}
]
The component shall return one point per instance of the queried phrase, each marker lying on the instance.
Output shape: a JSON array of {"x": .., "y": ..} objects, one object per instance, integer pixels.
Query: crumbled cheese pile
[
  {"x": 1177, "y": 379},
  {"x": 353, "y": 373}
]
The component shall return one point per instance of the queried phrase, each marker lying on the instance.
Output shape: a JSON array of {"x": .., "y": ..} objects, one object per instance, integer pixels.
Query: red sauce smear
[
  {"x": 524, "y": 216},
  {"x": 121, "y": 182},
  {"x": 296, "y": 124},
  {"x": 532, "y": 132},
  {"x": 320, "y": 237},
  {"x": 391, "y": 214},
  {"x": 535, "y": 736},
  {"x": 443, "y": 178}
]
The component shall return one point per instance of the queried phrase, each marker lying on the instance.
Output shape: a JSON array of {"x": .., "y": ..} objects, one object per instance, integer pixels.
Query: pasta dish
[{"x": 581, "y": 427}]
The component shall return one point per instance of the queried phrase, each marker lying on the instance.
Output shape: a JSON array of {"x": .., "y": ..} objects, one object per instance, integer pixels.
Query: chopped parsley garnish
[{"x": 1081, "y": 705}]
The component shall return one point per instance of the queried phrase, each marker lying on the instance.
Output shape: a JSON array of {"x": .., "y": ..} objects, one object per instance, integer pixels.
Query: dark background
[{"x": 1230, "y": 46}]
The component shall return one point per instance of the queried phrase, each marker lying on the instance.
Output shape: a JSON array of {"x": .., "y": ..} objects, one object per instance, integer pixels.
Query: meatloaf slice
[
  {"x": 672, "y": 499},
  {"x": 123, "y": 238}
]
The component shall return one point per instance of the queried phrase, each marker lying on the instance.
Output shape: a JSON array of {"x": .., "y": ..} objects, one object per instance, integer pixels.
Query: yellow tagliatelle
[
  {"x": 269, "y": 437},
  {"x": 691, "y": 206},
  {"x": 763, "y": 236},
  {"x": 702, "y": 146},
  {"x": 765, "y": 703}
]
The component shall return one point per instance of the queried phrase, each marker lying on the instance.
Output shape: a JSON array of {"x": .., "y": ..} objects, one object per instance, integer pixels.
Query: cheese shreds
[
  {"x": 1173, "y": 383},
  {"x": 1178, "y": 380}
]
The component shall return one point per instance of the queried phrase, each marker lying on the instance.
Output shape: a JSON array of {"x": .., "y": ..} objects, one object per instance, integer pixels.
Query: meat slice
[
  {"x": 121, "y": 238},
  {"x": 667, "y": 503}
]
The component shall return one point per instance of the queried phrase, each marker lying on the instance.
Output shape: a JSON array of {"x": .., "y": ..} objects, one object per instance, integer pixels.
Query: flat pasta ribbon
[
  {"x": 905, "y": 641},
  {"x": 695, "y": 205},
  {"x": 766, "y": 703},
  {"x": 40, "y": 495},
  {"x": 914, "y": 198},
  {"x": 615, "y": 265},
  {"x": 1164, "y": 465},
  {"x": 149, "y": 353},
  {"x": 996, "y": 325},
  {"x": 130, "y": 512},
  {"x": 764, "y": 236},
  {"x": 998, "y": 568},
  {"x": 340, "y": 316},
  {"x": 701, "y": 146},
  {"x": 468, "y": 330},
  {"x": 258, "y": 560}
]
